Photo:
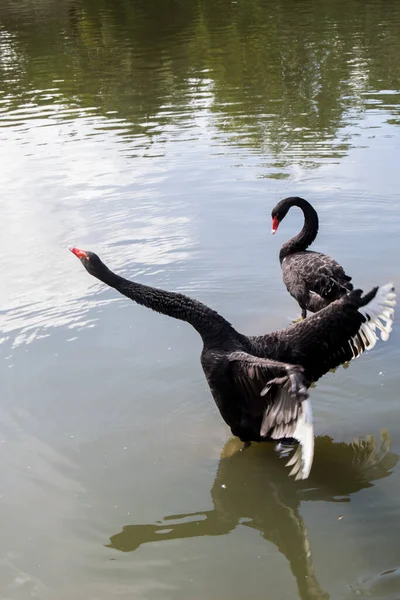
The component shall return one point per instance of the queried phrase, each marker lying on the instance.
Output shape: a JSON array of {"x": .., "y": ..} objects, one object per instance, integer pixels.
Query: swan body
[
  {"x": 313, "y": 279},
  {"x": 260, "y": 384}
]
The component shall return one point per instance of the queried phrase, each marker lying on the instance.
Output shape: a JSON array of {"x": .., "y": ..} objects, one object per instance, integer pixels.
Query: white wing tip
[
  {"x": 379, "y": 314},
  {"x": 302, "y": 459}
]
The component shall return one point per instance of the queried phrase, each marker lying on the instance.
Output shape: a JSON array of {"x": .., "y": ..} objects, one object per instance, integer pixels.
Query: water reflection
[
  {"x": 249, "y": 492},
  {"x": 283, "y": 79}
]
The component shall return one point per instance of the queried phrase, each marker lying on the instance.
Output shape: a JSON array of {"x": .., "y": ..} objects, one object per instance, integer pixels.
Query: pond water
[{"x": 160, "y": 134}]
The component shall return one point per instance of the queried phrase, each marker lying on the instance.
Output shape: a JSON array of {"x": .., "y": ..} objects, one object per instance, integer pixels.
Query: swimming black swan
[
  {"x": 313, "y": 279},
  {"x": 260, "y": 384}
]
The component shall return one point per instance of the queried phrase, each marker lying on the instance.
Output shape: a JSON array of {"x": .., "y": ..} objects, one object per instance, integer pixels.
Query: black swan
[
  {"x": 260, "y": 384},
  {"x": 313, "y": 279}
]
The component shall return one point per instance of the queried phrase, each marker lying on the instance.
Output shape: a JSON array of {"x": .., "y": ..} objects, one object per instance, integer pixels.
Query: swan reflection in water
[{"x": 252, "y": 491}]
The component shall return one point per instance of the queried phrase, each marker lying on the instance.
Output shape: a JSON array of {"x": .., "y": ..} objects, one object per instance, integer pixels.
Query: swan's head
[
  {"x": 90, "y": 260},
  {"x": 280, "y": 211},
  {"x": 278, "y": 214}
]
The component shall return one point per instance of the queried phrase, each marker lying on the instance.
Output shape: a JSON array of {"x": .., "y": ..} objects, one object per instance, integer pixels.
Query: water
[{"x": 160, "y": 135}]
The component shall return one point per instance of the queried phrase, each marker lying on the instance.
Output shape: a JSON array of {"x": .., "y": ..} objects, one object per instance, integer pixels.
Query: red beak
[
  {"x": 275, "y": 224},
  {"x": 77, "y": 252}
]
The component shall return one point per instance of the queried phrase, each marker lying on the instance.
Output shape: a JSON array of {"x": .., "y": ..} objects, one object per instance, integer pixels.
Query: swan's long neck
[
  {"x": 307, "y": 235},
  {"x": 209, "y": 324}
]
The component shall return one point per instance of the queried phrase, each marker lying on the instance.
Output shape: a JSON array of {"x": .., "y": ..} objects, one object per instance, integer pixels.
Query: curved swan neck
[
  {"x": 209, "y": 324},
  {"x": 307, "y": 235}
]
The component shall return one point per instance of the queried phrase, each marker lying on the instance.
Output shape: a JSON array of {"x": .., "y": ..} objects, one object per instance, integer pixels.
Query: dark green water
[{"x": 160, "y": 134}]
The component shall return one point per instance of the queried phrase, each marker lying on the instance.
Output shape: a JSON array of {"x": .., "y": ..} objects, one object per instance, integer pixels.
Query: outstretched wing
[
  {"x": 338, "y": 333},
  {"x": 277, "y": 394}
]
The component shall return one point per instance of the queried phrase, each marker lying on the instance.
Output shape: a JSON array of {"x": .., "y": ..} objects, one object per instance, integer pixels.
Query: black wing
[
  {"x": 338, "y": 333},
  {"x": 319, "y": 273},
  {"x": 269, "y": 387},
  {"x": 275, "y": 396}
]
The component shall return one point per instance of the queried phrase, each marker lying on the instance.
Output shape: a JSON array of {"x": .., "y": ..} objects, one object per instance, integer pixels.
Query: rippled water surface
[{"x": 160, "y": 133}]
